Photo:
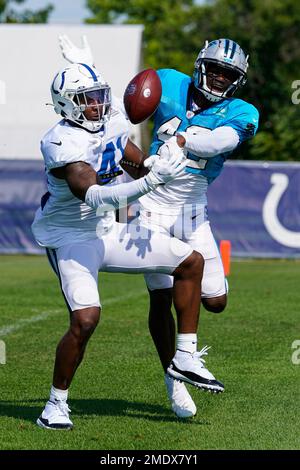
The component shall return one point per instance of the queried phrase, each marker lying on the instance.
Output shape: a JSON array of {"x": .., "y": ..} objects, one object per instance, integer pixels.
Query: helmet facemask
[
  {"x": 92, "y": 106},
  {"x": 216, "y": 80},
  {"x": 220, "y": 69}
]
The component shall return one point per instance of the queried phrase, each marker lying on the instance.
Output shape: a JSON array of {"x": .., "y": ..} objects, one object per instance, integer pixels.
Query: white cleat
[
  {"x": 190, "y": 368},
  {"x": 55, "y": 416},
  {"x": 181, "y": 401}
]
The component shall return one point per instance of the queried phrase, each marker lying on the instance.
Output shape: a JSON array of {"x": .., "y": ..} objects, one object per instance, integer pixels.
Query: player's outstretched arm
[
  {"x": 220, "y": 140},
  {"x": 82, "y": 180},
  {"x": 74, "y": 54}
]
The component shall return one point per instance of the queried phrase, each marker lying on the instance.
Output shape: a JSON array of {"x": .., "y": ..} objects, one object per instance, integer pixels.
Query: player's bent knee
[
  {"x": 84, "y": 322},
  {"x": 194, "y": 262},
  {"x": 191, "y": 267},
  {"x": 86, "y": 328},
  {"x": 215, "y": 304}
]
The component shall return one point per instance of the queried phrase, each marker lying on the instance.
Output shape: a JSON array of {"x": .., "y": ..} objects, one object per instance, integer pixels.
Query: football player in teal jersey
[{"x": 199, "y": 114}]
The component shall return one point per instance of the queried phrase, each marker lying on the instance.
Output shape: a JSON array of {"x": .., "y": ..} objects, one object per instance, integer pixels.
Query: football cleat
[
  {"x": 55, "y": 416},
  {"x": 181, "y": 401},
  {"x": 190, "y": 368}
]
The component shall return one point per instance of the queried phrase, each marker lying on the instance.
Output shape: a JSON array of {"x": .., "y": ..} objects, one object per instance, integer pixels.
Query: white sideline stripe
[{"x": 6, "y": 330}]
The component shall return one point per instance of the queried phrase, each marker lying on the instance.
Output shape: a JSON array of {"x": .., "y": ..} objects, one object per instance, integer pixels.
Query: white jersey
[
  {"x": 185, "y": 192},
  {"x": 64, "y": 218}
]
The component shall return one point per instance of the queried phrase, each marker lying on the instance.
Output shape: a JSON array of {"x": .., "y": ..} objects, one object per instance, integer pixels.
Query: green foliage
[
  {"x": 175, "y": 30},
  {"x": 9, "y": 15},
  {"x": 164, "y": 22},
  {"x": 268, "y": 31},
  {"x": 281, "y": 142}
]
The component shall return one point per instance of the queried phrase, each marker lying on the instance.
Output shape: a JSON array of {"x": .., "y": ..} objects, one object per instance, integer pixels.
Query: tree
[
  {"x": 9, "y": 15},
  {"x": 164, "y": 20},
  {"x": 269, "y": 32},
  {"x": 176, "y": 29}
]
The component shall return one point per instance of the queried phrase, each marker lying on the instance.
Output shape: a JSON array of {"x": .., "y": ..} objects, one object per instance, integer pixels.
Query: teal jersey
[{"x": 175, "y": 114}]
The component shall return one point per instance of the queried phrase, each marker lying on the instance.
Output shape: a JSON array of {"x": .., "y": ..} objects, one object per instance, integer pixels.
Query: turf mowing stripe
[{"x": 6, "y": 330}]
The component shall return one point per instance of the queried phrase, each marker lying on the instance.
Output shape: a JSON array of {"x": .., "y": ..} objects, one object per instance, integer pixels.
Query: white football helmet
[
  {"x": 80, "y": 95},
  {"x": 224, "y": 54}
]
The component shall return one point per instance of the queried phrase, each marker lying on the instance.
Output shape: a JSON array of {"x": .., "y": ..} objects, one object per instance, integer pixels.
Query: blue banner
[
  {"x": 255, "y": 205},
  {"x": 22, "y": 183}
]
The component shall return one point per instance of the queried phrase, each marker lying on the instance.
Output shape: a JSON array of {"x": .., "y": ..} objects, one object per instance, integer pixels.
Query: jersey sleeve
[
  {"x": 162, "y": 73},
  {"x": 60, "y": 149},
  {"x": 244, "y": 119},
  {"x": 172, "y": 79}
]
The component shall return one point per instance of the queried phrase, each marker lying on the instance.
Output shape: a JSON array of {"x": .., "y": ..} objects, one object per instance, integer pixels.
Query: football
[{"x": 142, "y": 95}]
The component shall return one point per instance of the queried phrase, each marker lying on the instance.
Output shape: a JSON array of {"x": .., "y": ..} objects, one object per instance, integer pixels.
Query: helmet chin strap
[
  {"x": 211, "y": 97},
  {"x": 80, "y": 119},
  {"x": 88, "y": 128}
]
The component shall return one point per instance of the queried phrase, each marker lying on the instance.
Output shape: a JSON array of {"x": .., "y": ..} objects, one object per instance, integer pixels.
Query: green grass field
[{"x": 118, "y": 399}]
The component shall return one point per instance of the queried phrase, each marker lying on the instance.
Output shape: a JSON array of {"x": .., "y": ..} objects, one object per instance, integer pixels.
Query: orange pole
[{"x": 225, "y": 250}]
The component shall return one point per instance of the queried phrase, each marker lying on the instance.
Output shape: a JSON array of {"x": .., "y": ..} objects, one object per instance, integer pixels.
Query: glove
[
  {"x": 165, "y": 168},
  {"x": 171, "y": 148},
  {"x": 167, "y": 150},
  {"x": 73, "y": 54},
  {"x": 149, "y": 162}
]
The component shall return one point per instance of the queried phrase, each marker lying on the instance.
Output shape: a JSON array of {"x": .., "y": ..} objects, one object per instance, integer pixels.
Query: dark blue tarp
[
  {"x": 254, "y": 205},
  {"x": 22, "y": 183}
]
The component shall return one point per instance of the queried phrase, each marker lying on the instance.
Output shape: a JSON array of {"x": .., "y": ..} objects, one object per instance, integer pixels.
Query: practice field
[{"x": 118, "y": 398}]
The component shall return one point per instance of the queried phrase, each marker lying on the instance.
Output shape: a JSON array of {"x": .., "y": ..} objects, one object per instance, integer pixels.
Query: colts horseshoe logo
[{"x": 281, "y": 234}]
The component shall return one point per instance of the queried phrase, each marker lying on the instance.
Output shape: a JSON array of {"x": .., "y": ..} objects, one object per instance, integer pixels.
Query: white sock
[
  {"x": 187, "y": 342},
  {"x": 57, "y": 394}
]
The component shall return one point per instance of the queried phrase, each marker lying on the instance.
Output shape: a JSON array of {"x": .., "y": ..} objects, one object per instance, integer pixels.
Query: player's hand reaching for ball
[
  {"x": 165, "y": 167},
  {"x": 167, "y": 150}
]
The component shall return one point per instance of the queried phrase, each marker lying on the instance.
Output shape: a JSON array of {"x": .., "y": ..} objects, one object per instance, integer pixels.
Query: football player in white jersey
[{"x": 76, "y": 225}]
